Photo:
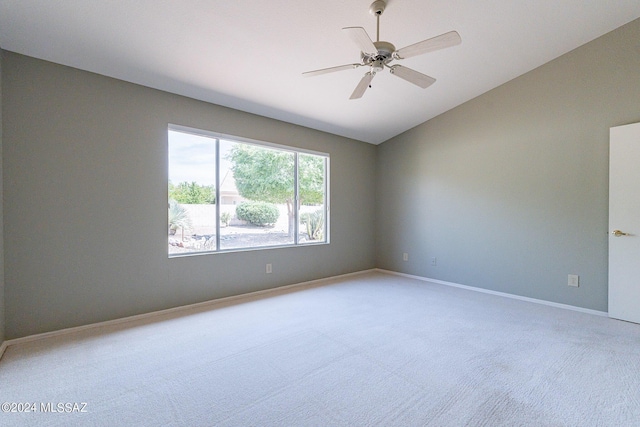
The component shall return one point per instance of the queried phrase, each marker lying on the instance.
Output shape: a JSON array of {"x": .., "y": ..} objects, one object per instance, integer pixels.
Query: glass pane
[
  {"x": 192, "y": 177},
  {"x": 256, "y": 195},
  {"x": 311, "y": 185}
]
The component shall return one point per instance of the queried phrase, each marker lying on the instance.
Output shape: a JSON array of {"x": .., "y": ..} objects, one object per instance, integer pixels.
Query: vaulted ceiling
[{"x": 250, "y": 55}]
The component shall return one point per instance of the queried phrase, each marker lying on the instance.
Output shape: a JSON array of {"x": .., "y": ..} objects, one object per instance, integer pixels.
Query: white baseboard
[
  {"x": 502, "y": 294},
  {"x": 3, "y": 347},
  {"x": 204, "y": 304},
  {"x": 295, "y": 286}
]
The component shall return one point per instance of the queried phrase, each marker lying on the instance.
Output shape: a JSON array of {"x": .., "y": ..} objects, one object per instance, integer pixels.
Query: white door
[{"x": 624, "y": 222}]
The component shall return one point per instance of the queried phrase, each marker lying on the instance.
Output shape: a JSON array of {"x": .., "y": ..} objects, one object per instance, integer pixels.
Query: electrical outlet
[
  {"x": 434, "y": 261},
  {"x": 405, "y": 256},
  {"x": 574, "y": 280},
  {"x": 269, "y": 269}
]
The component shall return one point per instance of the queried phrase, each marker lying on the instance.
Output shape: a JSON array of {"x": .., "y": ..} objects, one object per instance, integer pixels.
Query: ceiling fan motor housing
[{"x": 384, "y": 54}]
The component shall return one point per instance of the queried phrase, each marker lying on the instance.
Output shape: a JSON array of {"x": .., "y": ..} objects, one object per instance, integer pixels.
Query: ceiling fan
[{"x": 379, "y": 54}]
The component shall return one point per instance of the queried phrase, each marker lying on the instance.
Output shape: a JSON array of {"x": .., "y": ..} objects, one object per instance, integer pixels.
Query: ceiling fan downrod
[{"x": 376, "y": 8}]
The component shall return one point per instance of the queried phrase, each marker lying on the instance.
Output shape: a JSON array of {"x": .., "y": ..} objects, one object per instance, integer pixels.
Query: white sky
[{"x": 192, "y": 158}]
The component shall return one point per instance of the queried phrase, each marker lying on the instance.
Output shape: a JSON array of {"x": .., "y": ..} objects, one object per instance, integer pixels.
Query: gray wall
[
  {"x": 85, "y": 162},
  {"x": 510, "y": 190},
  {"x": 2, "y": 328}
]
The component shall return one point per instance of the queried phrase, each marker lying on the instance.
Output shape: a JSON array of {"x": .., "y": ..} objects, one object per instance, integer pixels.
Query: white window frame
[{"x": 296, "y": 151}]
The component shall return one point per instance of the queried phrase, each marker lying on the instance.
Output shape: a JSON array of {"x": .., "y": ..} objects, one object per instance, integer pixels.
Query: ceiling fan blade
[
  {"x": 362, "y": 40},
  {"x": 412, "y": 76},
  {"x": 330, "y": 70},
  {"x": 362, "y": 86},
  {"x": 452, "y": 38}
]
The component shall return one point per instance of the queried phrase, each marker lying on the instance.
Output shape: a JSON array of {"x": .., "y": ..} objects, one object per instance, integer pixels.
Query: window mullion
[
  {"x": 218, "y": 202},
  {"x": 296, "y": 200},
  {"x": 326, "y": 199}
]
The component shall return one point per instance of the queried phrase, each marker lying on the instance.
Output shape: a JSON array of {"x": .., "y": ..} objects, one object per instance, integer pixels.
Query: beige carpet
[{"x": 373, "y": 349}]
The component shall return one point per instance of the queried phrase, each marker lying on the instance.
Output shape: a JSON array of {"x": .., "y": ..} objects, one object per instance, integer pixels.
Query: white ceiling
[{"x": 250, "y": 54}]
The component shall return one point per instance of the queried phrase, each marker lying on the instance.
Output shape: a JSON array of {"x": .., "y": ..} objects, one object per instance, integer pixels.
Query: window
[{"x": 227, "y": 193}]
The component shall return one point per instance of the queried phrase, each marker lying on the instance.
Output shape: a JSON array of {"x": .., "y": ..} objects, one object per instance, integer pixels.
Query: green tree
[
  {"x": 192, "y": 193},
  {"x": 268, "y": 175},
  {"x": 311, "y": 179}
]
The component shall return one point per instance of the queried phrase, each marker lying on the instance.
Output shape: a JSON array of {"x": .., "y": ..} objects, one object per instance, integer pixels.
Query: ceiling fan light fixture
[{"x": 377, "y": 66}]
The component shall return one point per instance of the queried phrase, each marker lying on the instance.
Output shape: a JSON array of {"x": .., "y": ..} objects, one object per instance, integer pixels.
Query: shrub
[
  {"x": 315, "y": 224},
  {"x": 225, "y": 218},
  {"x": 178, "y": 217},
  {"x": 258, "y": 213}
]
